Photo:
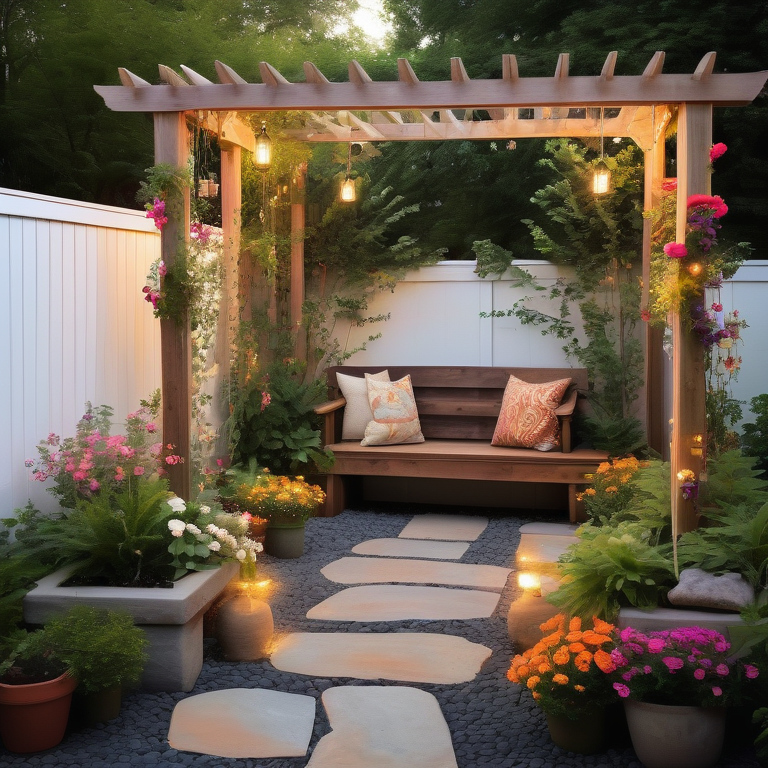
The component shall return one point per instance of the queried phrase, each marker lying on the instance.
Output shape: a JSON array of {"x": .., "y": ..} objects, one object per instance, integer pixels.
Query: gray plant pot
[{"x": 285, "y": 542}]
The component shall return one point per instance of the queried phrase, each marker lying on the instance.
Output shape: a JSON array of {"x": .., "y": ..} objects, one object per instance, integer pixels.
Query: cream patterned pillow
[
  {"x": 527, "y": 418},
  {"x": 395, "y": 419},
  {"x": 357, "y": 411}
]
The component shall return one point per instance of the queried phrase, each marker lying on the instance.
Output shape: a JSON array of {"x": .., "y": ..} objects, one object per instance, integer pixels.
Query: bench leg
[
  {"x": 335, "y": 497},
  {"x": 576, "y": 513}
]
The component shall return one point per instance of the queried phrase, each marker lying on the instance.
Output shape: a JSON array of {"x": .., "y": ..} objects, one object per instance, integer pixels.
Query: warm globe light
[
  {"x": 348, "y": 191},
  {"x": 528, "y": 581}
]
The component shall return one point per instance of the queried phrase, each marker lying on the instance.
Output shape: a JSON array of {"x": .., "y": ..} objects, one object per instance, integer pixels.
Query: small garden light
[
  {"x": 695, "y": 269},
  {"x": 348, "y": 191},
  {"x": 262, "y": 155},
  {"x": 529, "y": 581}
]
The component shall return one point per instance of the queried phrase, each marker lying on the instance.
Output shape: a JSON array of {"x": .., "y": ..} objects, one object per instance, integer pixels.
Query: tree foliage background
[{"x": 58, "y": 138}]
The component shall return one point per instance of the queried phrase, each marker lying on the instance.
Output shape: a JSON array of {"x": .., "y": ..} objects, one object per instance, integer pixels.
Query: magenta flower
[
  {"x": 699, "y": 674},
  {"x": 676, "y": 250},
  {"x": 151, "y": 427},
  {"x": 162, "y": 270},
  {"x": 718, "y": 150},
  {"x": 673, "y": 663},
  {"x": 622, "y": 690},
  {"x": 656, "y": 645},
  {"x": 722, "y": 670},
  {"x": 94, "y": 485},
  {"x": 717, "y": 691},
  {"x": 751, "y": 671},
  {"x": 138, "y": 471},
  {"x": 156, "y": 211}
]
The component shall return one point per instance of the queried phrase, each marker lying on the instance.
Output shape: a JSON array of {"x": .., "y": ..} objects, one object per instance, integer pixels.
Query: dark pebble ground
[{"x": 492, "y": 722}]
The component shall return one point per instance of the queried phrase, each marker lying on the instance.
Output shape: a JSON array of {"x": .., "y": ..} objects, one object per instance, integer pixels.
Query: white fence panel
[{"x": 74, "y": 326}]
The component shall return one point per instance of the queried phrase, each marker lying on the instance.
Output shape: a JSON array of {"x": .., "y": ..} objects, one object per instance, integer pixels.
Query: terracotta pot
[
  {"x": 244, "y": 628},
  {"x": 666, "y": 736},
  {"x": 585, "y": 735},
  {"x": 34, "y": 717},
  {"x": 284, "y": 541}
]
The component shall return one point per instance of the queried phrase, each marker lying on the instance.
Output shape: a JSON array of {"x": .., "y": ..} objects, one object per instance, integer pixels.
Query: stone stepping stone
[
  {"x": 243, "y": 722},
  {"x": 445, "y": 527},
  {"x": 549, "y": 529},
  {"x": 413, "y": 657},
  {"x": 541, "y": 549},
  {"x": 383, "y": 727},
  {"x": 392, "y": 602},
  {"x": 374, "y": 570},
  {"x": 436, "y": 550}
]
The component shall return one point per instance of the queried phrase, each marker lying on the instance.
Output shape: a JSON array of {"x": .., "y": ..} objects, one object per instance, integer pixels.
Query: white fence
[{"x": 74, "y": 325}]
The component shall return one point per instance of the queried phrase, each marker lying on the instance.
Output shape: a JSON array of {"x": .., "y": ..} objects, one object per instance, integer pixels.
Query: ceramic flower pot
[
  {"x": 284, "y": 541},
  {"x": 34, "y": 717},
  {"x": 585, "y": 735},
  {"x": 666, "y": 736}
]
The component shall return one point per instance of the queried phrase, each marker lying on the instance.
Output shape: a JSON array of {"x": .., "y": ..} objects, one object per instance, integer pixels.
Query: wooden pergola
[{"x": 411, "y": 110}]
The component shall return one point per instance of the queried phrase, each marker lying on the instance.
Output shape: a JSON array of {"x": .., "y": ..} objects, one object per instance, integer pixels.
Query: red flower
[
  {"x": 718, "y": 150},
  {"x": 716, "y": 203},
  {"x": 645, "y": 316},
  {"x": 669, "y": 185},
  {"x": 676, "y": 250}
]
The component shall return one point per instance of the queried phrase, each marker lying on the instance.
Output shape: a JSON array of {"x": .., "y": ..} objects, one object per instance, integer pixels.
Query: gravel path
[{"x": 491, "y": 722}]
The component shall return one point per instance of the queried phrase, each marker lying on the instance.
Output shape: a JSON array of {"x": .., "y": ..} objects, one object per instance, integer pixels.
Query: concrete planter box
[{"x": 172, "y": 618}]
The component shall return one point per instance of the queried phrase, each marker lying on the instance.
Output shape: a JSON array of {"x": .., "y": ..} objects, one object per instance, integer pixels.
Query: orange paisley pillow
[{"x": 527, "y": 418}]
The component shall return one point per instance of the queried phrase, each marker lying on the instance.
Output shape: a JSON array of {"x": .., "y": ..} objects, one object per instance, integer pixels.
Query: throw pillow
[
  {"x": 357, "y": 411},
  {"x": 395, "y": 418},
  {"x": 527, "y": 418}
]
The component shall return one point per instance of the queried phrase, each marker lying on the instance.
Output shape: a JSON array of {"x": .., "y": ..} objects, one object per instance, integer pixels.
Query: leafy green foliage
[
  {"x": 760, "y": 718},
  {"x": 274, "y": 423},
  {"x": 732, "y": 479},
  {"x": 101, "y": 649},
  {"x": 609, "y": 568},
  {"x": 754, "y": 439}
]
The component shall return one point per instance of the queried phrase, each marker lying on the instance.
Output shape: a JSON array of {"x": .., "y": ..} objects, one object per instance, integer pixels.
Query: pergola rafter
[{"x": 362, "y": 109}]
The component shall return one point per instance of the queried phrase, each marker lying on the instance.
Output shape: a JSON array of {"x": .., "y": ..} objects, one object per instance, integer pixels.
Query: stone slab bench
[{"x": 458, "y": 408}]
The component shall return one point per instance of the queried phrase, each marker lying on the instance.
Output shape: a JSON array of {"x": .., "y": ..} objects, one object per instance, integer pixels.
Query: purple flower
[
  {"x": 621, "y": 689},
  {"x": 722, "y": 670},
  {"x": 673, "y": 663},
  {"x": 699, "y": 674}
]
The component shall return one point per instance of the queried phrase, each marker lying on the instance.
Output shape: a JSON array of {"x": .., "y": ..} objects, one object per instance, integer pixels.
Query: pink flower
[
  {"x": 647, "y": 670},
  {"x": 219, "y": 462},
  {"x": 717, "y": 307},
  {"x": 718, "y": 150},
  {"x": 656, "y": 645},
  {"x": 621, "y": 689},
  {"x": 162, "y": 270},
  {"x": 645, "y": 316},
  {"x": 266, "y": 399},
  {"x": 676, "y": 250},
  {"x": 156, "y": 211},
  {"x": 699, "y": 674},
  {"x": 717, "y": 691},
  {"x": 151, "y": 427},
  {"x": 751, "y": 671},
  {"x": 673, "y": 663},
  {"x": 138, "y": 471},
  {"x": 722, "y": 670},
  {"x": 713, "y": 202},
  {"x": 127, "y": 451},
  {"x": 94, "y": 485},
  {"x": 79, "y": 476}
]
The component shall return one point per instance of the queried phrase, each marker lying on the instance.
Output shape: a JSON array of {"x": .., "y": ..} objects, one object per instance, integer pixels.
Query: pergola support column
[
  {"x": 172, "y": 147},
  {"x": 298, "y": 194},
  {"x": 694, "y": 139}
]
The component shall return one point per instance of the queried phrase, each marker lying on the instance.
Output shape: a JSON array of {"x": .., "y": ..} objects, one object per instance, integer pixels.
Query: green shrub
[{"x": 754, "y": 439}]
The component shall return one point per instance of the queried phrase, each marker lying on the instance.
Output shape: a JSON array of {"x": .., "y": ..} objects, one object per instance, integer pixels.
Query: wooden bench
[{"x": 458, "y": 408}]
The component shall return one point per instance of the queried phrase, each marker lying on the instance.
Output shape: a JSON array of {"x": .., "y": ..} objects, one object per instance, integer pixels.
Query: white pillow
[{"x": 357, "y": 412}]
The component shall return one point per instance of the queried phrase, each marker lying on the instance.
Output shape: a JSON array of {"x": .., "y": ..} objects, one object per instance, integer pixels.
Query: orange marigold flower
[
  {"x": 602, "y": 627},
  {"x": 512, "y": 675},
  {"x": 560, "y": 679},
  {"x": 544, "y": 668},
  {"x": 533, "y": 681},
  {"x": 536, "y": 695},
  {"x": 579, "y": 688},
  {"x": 577, "y": 647},
  {"x": 561, "y": 655},
  {"x": 593, "y": 638},
  {"x": 589, "y": 491},
  {"x": 540, "y": 659},
  {"x": 604, "y": 661},
  {"x": 556, "y": 622},
  {"x": 574, "y": 637},
  {"x": 523, "y": 671},
  {"x": 552, "y": 639},
  {"x": 611, "y": 489},
  {"x": 583, "y": 660},
  {"x": 574, "y": 624},
  {"x": 603, "y": 468}
]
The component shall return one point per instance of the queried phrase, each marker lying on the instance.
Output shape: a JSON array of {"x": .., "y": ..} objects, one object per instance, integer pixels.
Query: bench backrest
[{"x": 459, "y": 402}]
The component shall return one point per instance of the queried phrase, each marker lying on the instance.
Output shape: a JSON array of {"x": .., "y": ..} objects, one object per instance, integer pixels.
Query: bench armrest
[
  {"x": 330, "y": 406},
  {"x": 566, "y": 407}
]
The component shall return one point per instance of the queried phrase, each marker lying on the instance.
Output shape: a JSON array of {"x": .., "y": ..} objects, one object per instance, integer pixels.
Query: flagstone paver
[
  {"x": 549, "y": 529},
  {"x": 242, "y": 722},
  {"x": 436, "y": 550},
  {"x": 383, "y": 727},
  {"x": 444, "y": 527},
  {"x": 413, "y": 657},
  {"x": 373, "y": 570},
  {"x": 393, "y": 602},
  {"x": 541, "y": 549}
]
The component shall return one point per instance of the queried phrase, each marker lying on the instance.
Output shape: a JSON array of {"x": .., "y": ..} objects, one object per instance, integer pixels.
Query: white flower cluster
[
  {"x": 177, "y": 527},
  {"x": 241, "y": 548}
]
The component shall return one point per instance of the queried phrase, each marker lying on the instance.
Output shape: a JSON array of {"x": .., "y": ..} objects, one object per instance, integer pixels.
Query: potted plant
[
  {"x": 35, "y": 696},
  {"x": 676, "y": 685},
  {"x": 104, "y": 651},
  {"x": 565, "y": 673},
  {"x": 286, "y": 503}
]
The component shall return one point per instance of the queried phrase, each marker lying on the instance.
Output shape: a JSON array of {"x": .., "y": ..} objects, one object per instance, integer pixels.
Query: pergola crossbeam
[
  {"x": 706, "y": 66},
  {"x": 227, "y": 75},
  {"x": 609, "y": 66}
]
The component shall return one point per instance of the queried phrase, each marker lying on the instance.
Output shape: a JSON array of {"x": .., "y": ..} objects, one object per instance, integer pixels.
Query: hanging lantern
[
  {"x": 262, "y": 156},
  {"x": 601, "y": 175},
  {"x": 348, "y": 190},
  {"x": 695, "y": 269}
]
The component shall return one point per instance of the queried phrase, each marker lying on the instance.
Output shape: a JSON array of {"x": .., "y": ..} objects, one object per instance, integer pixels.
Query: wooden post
[
  {"x": 655, "y": 421},
  {"x": 172, "y": 147},
  {"x": 229, "y": 305},
  {"x": 298, "y": 184},
  {"x": 694, "y": 139}
]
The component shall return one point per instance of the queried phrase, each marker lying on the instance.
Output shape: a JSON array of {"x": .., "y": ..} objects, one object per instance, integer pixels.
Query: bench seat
[{"x": 458, "y": 408}]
